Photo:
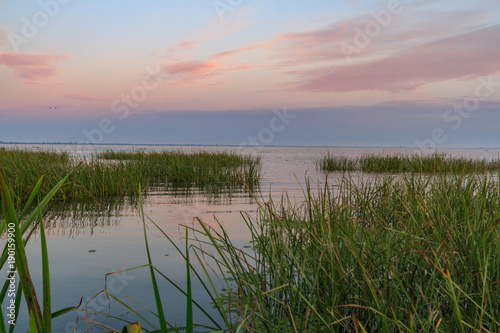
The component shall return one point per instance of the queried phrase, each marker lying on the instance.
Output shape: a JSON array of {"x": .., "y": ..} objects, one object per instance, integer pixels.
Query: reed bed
[
  {"x": 435, "y": 163},
  {"x": 414, "y": 254},
  {"x": 99, "y": 177}
]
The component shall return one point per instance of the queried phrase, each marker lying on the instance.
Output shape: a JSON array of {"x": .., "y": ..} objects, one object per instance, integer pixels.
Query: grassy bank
[
  {"x": 99, "y": 176},
  {"x": 436, "y": 163}
]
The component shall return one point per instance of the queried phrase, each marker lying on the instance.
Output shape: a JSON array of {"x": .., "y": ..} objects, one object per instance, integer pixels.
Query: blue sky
[{"x": 380, "y": 73}]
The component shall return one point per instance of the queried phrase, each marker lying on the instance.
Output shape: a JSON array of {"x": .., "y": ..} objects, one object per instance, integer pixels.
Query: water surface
[{"x": 86, "y": 240}]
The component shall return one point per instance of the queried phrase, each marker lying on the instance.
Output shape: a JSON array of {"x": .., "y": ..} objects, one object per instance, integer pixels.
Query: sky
[{"x": 258, "y": 72}]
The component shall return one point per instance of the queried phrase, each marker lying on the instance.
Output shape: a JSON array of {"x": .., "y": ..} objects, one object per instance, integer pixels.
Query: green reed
[
  {"x": 410, "y": 254},
  {"x": 415, "y": 253},
  {"x": 121, "y": 173},
  {"x": 407, "y": 163}
]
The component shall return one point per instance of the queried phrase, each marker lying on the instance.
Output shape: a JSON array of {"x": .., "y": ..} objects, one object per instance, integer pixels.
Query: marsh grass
[
  {"x": 435, "y": 163},
  {"x": 100, "y": 177},
  {"x": 414, "y": 254},
  {"x": 197, "y": 167}
]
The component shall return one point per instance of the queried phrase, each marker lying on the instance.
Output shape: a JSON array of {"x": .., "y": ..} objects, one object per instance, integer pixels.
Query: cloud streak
[
  {"x": 214, "y": 30},
  {"x": 466, "y": 56},
  {"x": 32, "y": 67},
  {"x": 189, "y": 72},
  {"x": 396, "y": 60}
]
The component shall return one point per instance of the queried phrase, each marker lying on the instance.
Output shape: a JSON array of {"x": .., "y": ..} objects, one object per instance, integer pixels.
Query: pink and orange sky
[{"x": 367, "y": 73}]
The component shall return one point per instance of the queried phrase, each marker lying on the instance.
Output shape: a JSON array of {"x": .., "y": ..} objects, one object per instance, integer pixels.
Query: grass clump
[
  {"x": 416, "y": 254},
  {"x": 197, "y": 167},
  {"x": 100, "y": 177},
  {"x": 436, "y": 163}
]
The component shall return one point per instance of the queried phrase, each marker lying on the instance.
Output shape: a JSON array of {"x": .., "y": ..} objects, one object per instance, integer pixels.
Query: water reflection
[
  {"x": 212, "y": 194},
  {"x": 73, "y": 219},
  {"x": 98, "y": 217}
]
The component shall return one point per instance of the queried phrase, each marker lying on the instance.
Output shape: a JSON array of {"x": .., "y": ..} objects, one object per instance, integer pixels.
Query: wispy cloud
[
  {"x": 215, "y": 29},
  {"x": 466, "y": 56},
  {"x": 188, "y": 72},
  {"x": 179, "y": 69},
  {"x": 415, "y": 25},
  {"x": 227, "y": 55},
  {"x": 395, "y": 60},
  {"x": 32, "y": 67},
  {"x": 182, "y": 68},
  {"x": 83, "y": 97},
  {"x": 191, "y": 70}
]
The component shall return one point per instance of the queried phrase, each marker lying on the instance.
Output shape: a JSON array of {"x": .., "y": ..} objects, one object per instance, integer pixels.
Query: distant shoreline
[{"x": 224, "y": 145}]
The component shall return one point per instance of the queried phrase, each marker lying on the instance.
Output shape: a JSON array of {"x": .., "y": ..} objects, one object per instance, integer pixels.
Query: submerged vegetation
[
  {"x": 435, "y": 163},
  {"x": 120, "y": 173}
]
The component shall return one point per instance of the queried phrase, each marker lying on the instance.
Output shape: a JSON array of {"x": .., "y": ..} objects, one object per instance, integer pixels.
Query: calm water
[{"x": 113, "y": 234}]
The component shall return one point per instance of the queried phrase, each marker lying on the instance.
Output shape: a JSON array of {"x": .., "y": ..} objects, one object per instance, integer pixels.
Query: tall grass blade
[
  {"x": 21, "y": 259},
  {"x": 47, "y": 306},
  {"x": 189, "y": 301},
  {"x": 159, "y": 306},
  {"x": 198, "y": 276},
  {"x": 33, "y": 194}
]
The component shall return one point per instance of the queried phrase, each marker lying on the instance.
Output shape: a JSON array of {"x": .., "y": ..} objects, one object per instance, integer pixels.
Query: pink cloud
[
  {"x": 313, "y": 48},
  {"x": 83, "y": 97},
  {"x": 195, "y": 68},
  {"x": 466, "y": 56},
  {"x": 296, "y": 48},
  {"x": 180, "y": 70},
  {"x": 187, "y": 72},
  {"x": 214, "y": 30},
  {"x": 402, "y": 31},
  {"x": 190, "y": 71},
  {"x": 397, "y": 59},
  {"x": 227, "y": 55},
  {"x": 31, "y": 67}
]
